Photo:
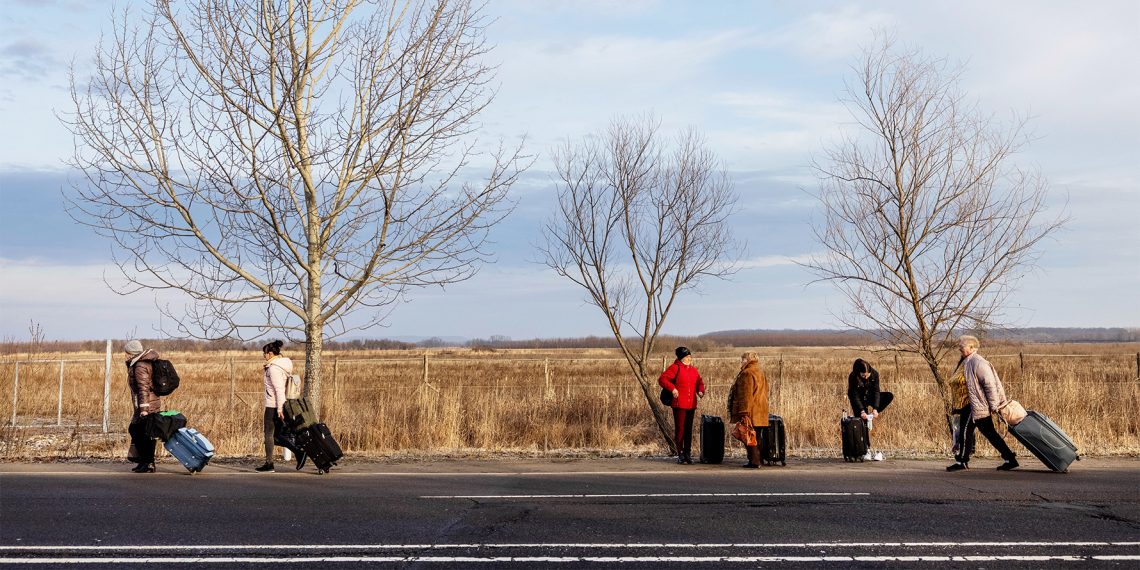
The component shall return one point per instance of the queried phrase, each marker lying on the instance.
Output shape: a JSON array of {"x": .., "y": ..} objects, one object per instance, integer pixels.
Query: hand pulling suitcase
[
  {"x": 1045, "y": 440},
  {"x": 318, "y": 443},
  {"x": 191, "y": 448},
  {"x": 299, "y": 414},
  {"x": 854, "y": 433},
  {"x": 773, "y": 445},
  {"x": 712, "y": 439}
]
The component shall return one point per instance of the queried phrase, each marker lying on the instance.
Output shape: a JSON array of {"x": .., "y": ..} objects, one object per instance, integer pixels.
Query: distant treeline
[{"x": 702, "y": 343}]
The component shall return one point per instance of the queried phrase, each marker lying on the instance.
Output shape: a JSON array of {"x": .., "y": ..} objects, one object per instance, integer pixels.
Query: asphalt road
[{"x": 572, "y": 513}]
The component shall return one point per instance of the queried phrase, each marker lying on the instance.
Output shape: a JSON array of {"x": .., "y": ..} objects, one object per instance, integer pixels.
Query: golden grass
[{"x": 473, "y": 402}]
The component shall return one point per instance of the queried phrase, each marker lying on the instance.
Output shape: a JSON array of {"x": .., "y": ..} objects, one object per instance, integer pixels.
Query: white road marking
[
  {"x": 555, "y": 559},
  {"x": 643, "y": 495},
  {"x": 587, "y": 545}
]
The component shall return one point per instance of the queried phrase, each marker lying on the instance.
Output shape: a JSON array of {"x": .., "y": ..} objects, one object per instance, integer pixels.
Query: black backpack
[{"x": 164, "y": 378}]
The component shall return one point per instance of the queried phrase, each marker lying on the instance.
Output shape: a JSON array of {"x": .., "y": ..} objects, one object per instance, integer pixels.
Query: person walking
[
  {"x": 140, "y": 373},
  {"x": 867, "y": 401},
  {"x": 986, "y": 395},
  {"x": 684, "y": 381},
  {"x": 277, "y": 371},
  {"x": 748, "y": 401}
]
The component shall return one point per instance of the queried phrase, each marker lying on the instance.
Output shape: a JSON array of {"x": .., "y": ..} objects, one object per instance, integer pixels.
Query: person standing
[
  {"x": 140, "y": 374},
  {"x": 686, "y": 385},
  {"x": 748, "y": 401},
  {"x": 867, "y": 401},
  {"x": 986, "y": 395},
  {"x": 277, "y": 371}
]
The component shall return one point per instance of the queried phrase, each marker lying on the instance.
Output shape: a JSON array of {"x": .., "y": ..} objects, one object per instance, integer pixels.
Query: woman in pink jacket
[
  {"x": 277, "y": 371},
  {"x": 685, "y": 383}
]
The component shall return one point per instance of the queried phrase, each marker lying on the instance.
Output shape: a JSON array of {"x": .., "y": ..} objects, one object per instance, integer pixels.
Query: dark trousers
[
  {"x": 683, "y": 430},
  {"x": 759, "y": 452},
  {"x": 277, "y": 433},
  {"x": 143, "y": 444},
  {"x": 986, "y": 426},
  {"x": 964, "y": 436}
]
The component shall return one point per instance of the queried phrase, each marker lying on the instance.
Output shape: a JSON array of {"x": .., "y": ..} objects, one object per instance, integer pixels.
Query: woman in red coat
[{"x": 686, "y": 385}]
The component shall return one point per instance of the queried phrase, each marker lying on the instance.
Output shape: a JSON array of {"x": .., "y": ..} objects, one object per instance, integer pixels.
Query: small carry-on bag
[
  {"x": 318, "y": 443},
  {"x": 772, "y": 444},
  {"x": 164, "y": 425},
  {"x": 854, "y": 433},
  {"x": 299, "y": 414},
  {"x": 712, "y": 439},
  {"x": 191, "y": 448},
  {"x": 1047, "y": 441}
]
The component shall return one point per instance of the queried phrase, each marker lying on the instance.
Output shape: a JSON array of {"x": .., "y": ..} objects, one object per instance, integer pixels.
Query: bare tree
[
  {"x": 638, "y": 224},
  {"x": 927, "y": 225},
  {"x": 288, "y": 164}
]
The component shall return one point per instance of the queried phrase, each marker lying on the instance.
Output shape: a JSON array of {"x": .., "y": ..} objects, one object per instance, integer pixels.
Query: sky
[{"x": 760, "y": 80}]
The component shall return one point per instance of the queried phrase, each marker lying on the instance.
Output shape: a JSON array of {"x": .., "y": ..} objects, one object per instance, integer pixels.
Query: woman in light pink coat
[{"x": 277, "y": 371}]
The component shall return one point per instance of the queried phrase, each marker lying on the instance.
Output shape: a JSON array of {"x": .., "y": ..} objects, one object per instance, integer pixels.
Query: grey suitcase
[{"x": 1046, "y": 441}]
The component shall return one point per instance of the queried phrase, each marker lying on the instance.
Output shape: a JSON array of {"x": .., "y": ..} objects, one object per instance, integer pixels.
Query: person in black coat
[{"x": 867, "y": 400}]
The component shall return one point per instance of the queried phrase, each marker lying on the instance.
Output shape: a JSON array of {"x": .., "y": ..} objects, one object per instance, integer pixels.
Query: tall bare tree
[
  {"x": 287, "y": 164},
  {"x": 637, "y": 225},
  {"x": 927, "y": 223}
]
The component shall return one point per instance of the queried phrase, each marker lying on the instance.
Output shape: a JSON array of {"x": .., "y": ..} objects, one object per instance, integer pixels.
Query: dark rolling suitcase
[
  {"x": 318, "y": 444},
  {"x": 772, "y": 445},
  {"x": 712, "y": 439},
  {"x": 1046, "y": 441},
  {"x": 854, "y": 433}
]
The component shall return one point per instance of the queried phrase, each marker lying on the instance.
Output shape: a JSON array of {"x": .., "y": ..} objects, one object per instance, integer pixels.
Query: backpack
[{"x": 164, "y": 378}]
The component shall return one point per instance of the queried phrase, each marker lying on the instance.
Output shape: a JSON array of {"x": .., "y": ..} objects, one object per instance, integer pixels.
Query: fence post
[
  {"x": 546, "y": 372},
  {"x": 107, "y": 390},
  {"x": 897, "y": 373},
  {"x": 663, "y": 364},
  {"x": 1138, "y": 365},
  {"x": 1021, "y": 356},
  {"x": 232, "y": 386},
  {"x": 59, "y": 402},
  {"x": 425, "y": 367},
  {"x": 780, "y": 370},
  {"x": 15, "y": 393},
  {"x": 336, "y": 385}
]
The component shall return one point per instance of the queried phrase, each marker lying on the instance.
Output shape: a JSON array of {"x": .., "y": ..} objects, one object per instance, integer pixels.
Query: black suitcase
[
  {"x": 854, "y": 433},
  {"x": 1046, "y": 440},
  {"x": 163, "y": 425},
  {"x": 772, "y": 445},
  {"x": 318, "y": 444},
  {"x": 712, "y": 439}
]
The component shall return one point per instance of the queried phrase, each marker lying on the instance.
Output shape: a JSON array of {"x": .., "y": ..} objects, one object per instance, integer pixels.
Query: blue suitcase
[{"x": 191, "y": 448}]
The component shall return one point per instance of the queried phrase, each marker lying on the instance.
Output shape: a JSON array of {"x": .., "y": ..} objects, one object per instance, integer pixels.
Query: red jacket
[{"x": 686, "y": 380}]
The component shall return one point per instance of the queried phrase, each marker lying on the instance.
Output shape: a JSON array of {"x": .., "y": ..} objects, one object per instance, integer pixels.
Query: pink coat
[
  {"x": 277, "y": 372},
  {"x": 686, "y": 380}
]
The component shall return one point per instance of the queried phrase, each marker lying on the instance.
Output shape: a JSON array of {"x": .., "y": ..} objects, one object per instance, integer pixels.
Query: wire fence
[{"x": 77, "y": 384}]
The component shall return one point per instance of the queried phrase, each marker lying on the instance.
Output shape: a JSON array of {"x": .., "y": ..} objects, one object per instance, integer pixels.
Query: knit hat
[
  {"x": 133, "y": 347},
  {"x": 682, "y": 352}
]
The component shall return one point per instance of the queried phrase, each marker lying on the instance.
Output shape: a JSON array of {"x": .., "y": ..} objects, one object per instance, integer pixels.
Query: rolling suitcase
[
  {"x": 712, "y": 439},
  {"x": 299, "y": 414},
  {"x": 854, "y": 433},
  {"x": 318, "y": 443},
  {"x": 772, "y": 444},
  {"x": 1046, "y": 441},
  {"x": 191, "y": 448}
]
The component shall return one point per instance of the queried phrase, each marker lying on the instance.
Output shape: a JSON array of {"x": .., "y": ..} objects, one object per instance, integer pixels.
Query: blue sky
[{"x": 759, "y": 79}]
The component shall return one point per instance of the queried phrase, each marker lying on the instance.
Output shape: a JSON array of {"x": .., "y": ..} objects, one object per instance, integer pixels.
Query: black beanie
[{"x": 682, "y": 352}]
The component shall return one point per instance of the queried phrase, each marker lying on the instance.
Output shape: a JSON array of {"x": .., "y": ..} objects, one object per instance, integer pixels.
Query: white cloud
[{"x": 836, "y": 35}]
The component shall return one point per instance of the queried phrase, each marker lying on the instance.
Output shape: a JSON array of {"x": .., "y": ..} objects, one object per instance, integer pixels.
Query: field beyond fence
[{"x": 464, "y": 401}]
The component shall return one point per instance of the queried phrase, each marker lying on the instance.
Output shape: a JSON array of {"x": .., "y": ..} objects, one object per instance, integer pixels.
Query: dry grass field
[{"x": 556, "y": 401}]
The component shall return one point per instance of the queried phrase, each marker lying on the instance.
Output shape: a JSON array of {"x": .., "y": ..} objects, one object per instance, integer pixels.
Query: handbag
[
  {"x": 1012, "y": 412},
  {"x": 667, "y": 396},
  {"x": 744, "y": 432}
]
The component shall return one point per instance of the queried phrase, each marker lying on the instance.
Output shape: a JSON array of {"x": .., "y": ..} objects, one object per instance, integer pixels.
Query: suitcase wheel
[{"x": 322, "y": 471}]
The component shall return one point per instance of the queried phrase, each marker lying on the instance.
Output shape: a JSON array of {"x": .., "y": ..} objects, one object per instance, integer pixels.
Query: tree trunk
[
  {"x": 314, "y": 340},
  {"x": 661, "y": 413}
]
